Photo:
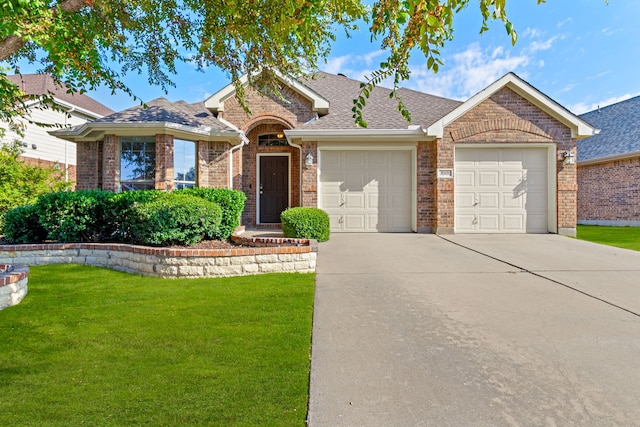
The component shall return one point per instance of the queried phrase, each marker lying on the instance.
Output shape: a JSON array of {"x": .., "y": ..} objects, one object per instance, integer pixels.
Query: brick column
[
  {"x": 218, "y": 164},
  {"x": 310, "y": 175},
  {"x": 567, "y": 190},
  {"x": 202, "y": 161},
  {"x": 111, "y": 163},
  {"x": 426, "y": 187},
  {"x": 164, "y": 162},
  {"x": 444, "y": 188},
  {"x": 89, "y": 158}
]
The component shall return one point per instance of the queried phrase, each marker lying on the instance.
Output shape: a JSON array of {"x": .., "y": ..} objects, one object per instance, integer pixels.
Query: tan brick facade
[{"x": 609, "y": 204}]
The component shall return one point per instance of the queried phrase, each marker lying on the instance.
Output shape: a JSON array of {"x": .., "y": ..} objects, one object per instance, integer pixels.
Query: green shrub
[
  {"x": 305, "y": 223},
  {"x": 21, "y": 184},
  {"x": 22, "y": 225},
  {"x": 119, "y": 213},
  {"x": 174, "y": 219},
  {"x": 74, "y": 216},
  {"x": 231, "y": 202}
]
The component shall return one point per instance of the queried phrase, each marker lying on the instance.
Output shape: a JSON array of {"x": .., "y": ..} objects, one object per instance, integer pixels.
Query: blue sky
[{"x": 582, "y": 53}]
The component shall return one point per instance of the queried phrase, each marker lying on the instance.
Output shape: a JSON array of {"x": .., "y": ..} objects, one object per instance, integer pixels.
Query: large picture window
[
  {"x": 137, "y": 163},
  {"x": 184, "y": 163}
]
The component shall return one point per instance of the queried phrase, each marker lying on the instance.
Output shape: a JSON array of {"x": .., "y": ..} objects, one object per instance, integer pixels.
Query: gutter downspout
[
  {"x": 299, "y": 147},
  {"x": 245, "y": 141}
]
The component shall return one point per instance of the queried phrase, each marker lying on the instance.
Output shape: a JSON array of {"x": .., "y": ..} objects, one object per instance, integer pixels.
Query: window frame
[{"x": 137, "y": 184}]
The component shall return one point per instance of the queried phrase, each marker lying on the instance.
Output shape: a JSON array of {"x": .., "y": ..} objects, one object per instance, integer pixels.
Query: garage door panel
[
  {"x": 465, "y": 178},
  {"x": 489, "y": 222},
  {"x": 488, "y": 178},
  {"x": 354, "y": 200},
  {"x": 488, "y": 200},
  {"x": 331, "y": 200},
  {"x": 512, "y": 178},
  {"x": 513, "y": 223},
  {"x": 510, "y": 201},
  {"x": 375, "y": 189},
  {"x": 510, "y": 186}
]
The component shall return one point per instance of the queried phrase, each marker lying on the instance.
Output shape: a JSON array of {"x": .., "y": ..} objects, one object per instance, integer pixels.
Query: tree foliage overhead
[{"x": 86, "y": 43}]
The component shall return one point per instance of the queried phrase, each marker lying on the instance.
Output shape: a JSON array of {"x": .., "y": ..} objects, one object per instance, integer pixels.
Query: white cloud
[
  {"x": 336, "y": 65},
  {"x": 536, "y": 46},
  {"x": 584, "y": 107},
  {"x": 531, "y": 33},
  {"x": 467, "y": 72},
  {"x": 564, "y": 22}
]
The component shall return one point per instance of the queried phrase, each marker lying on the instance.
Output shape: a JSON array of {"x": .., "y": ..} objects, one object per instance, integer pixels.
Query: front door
[{"x": 273, "y": 188}]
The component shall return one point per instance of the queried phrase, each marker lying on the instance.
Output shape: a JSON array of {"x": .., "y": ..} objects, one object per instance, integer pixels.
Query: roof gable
[
  {"x": 319, "y": 104},
  {"x": 579, "y": 128}
]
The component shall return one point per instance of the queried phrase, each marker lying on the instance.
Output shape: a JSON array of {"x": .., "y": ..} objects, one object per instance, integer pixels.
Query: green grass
[
  {"x": 89, "y": 346},
  {"x": 622, "y": 237}
]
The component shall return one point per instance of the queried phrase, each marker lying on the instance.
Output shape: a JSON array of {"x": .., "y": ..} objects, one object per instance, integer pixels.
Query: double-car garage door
[{"x": 497, "y": 190}]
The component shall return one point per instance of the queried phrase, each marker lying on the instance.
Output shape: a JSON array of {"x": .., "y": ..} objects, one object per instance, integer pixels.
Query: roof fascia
[
  {"x": 363, "y": 135},
  {"x": 69, "y": 107},
  {"x": 94, "y": 131},
  {"x": 606, "y": 159},
  {"x": 579, "y": 128},
  {"x": 319, "y": 104}
]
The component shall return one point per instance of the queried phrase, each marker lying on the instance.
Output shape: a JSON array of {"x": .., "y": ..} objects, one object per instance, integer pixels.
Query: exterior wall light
[
  {"x": 568, "y": 157},
  {"x": 309, "y": 159}
]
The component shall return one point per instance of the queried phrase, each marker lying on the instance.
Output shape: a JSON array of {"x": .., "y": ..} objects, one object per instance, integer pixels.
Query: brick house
[
  {"x": 609, "y": 166},
  {"x": 492, "y": 164},
  {"x": 39, "y": 146}
]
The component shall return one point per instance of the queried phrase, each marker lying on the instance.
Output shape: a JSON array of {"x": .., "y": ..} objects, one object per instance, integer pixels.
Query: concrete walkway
[{"x": 416, "y": 330}]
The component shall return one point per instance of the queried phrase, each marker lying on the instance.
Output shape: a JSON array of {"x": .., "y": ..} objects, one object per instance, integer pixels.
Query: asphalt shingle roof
[
  {"x": 619, "y": 126},
  {"x": 43, "y": 84},
  {"x": 163, "y": 110},
  {"x": 380, "y": 111}
]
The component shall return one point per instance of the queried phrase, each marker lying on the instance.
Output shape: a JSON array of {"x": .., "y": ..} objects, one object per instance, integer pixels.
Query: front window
[
  {"x": 184, "y": 163},
  {"x": 137, "y": 163}
]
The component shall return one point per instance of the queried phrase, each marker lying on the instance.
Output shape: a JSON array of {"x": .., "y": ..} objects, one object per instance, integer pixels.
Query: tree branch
[{"x": 12, "y": 44}]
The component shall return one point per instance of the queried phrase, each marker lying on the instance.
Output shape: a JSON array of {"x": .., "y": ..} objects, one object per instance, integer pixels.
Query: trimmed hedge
[
  {"x": 74, "y": 216},
  {"x": 22, "y": 225},
  {"x": 179, "y": 217},
  {"x": 231, "y": 202},
  {"x": 174, "y": 219},
  {"x": 305, "y": 223}
]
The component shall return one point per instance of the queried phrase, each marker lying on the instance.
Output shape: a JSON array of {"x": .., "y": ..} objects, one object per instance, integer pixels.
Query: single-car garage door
[
  {"x": 501, "y": 190},
  {"x": 366, "y": 191}
]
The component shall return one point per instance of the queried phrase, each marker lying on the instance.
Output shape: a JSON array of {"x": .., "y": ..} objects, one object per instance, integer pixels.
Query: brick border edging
[
  {"x": 13, "y": 284},
  {"x": 264, "y": 256}
]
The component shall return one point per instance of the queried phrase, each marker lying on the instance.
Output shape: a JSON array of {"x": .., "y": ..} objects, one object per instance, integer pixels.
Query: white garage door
[
  {"x": 501, "y": 190},
  {"x": 366, "y": 191}
]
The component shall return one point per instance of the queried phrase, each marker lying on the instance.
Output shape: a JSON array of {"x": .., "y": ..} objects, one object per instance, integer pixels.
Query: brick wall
[
  {"x": 71, "y": 169},
  {"x": 609, "y": 193},
  {"x": 426, "y": 181},
  {"x": 213, "y": 164},
  {"x": 294, "y": 109},
  {"x": 89, "y": 169},
  {"x": 164, "y": 163},
  {"x": 111, "y": 163},
  {"x": 310, "y": 176},
  {"x": 509, "y": 118}
]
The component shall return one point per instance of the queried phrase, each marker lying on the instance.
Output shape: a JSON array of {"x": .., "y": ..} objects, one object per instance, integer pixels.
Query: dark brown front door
[{"x": 273, "y": 187}]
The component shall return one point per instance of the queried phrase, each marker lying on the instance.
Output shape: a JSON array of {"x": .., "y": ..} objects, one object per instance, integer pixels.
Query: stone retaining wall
[
  {"x": 13, "y": 284},
  {"x": 267, "y": 256}
]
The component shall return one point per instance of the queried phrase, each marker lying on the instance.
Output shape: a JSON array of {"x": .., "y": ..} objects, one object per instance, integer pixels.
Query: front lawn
[
  {"x": 622, "y": 237},
  {"x": 89, "y": 346}
]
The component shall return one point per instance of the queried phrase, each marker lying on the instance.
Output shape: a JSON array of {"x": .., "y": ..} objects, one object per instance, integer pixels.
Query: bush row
[{"x": 152, "y": 217}]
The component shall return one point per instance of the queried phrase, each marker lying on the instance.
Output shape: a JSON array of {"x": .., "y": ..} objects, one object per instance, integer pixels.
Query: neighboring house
[
  {"x": 39, "y": 146},
  {"x": 492, "y": 164},
  {"x": 609, "y": 166}
]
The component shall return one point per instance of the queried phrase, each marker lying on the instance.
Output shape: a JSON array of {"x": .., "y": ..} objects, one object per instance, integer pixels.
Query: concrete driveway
[{"x": 420, "y": 330}]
